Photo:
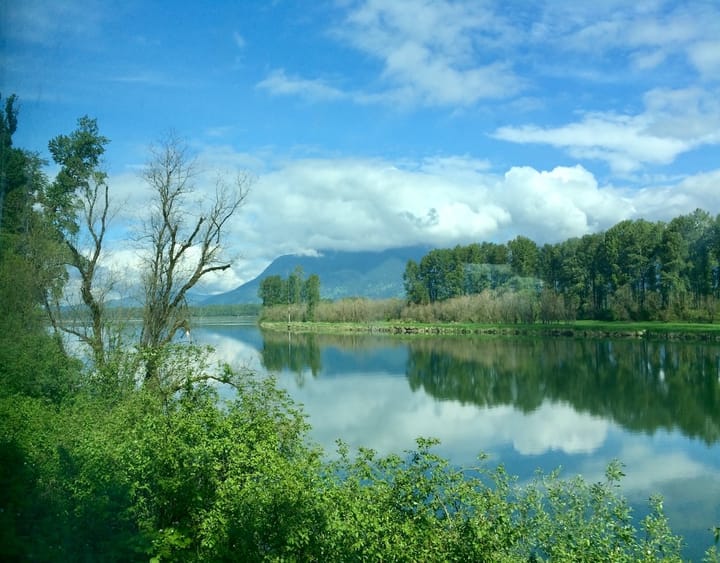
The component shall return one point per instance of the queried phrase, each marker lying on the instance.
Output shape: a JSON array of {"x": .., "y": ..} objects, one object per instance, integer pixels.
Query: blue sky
[{"x": 381, "y": 123}]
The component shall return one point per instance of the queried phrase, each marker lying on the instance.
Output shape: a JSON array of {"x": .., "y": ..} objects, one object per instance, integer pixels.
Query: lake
[{"x": 527, "y": 402}]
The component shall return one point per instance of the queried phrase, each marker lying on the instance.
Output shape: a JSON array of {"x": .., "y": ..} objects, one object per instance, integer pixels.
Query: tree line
[
  {"x": 635, "y": 270},
  {"x": 293, "y": 290}
]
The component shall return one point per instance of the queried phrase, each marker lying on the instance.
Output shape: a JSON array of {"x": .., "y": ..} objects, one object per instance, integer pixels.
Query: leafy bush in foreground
[
  {"x": 419, "y": 508},
  {"x": 184, "y": 476}
]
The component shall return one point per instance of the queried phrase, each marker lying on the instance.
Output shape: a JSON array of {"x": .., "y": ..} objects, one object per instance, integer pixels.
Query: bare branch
[
  {"x": 184, "y": 240},
  {"x": 78, "y": 204}
]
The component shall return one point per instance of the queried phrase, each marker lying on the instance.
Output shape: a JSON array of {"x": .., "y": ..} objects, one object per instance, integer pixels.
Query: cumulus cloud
[
  {"x": 561, "y": 203},
  {"x": 355, "y": 204},
  {"x": 663, "y": 202},
  {"x": 372, "y": 204},
  {"x": 306, "y": 205}
]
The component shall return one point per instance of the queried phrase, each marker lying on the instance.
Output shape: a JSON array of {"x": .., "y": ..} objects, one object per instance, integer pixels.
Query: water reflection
[
  {"x": 529, "y": 403},
  {"x": 341, "y": 354},
  {"x": 643, "y": 386}
]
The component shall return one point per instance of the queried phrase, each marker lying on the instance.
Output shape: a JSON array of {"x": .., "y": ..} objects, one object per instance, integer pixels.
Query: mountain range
[{"x": 375, "y": 275}]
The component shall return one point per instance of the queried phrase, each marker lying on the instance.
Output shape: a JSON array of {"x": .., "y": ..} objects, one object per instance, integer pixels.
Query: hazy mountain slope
[{"x": 375, "y": 275}]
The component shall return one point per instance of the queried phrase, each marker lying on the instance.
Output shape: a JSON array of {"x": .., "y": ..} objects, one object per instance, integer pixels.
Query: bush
[
  {"x": 420, "y": 508},
  {"x": 171, "y": 472}
]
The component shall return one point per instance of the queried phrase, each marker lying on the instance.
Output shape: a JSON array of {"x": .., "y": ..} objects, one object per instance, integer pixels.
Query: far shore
[{"x": 577, "y": 329}]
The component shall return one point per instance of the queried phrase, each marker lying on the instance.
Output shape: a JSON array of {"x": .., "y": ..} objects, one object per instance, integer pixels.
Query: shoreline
[{"x": 582, "y": 329}]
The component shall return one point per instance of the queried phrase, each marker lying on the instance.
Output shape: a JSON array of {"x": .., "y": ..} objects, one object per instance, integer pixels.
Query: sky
[{"x": 372, "y": 124}]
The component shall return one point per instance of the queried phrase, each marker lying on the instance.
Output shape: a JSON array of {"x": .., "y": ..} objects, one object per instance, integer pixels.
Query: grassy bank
[{"x": 577, "y": 329}]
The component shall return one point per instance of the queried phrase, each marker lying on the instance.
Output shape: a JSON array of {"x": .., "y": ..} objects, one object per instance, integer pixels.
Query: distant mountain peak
[{"x": 367, "y": 273}]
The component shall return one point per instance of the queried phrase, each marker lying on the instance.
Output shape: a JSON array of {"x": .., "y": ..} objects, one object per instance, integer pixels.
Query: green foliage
[
  {"x": 170, "y": 474},
  {"x": 292, "y": 292},
  {"x": 415, "y": 288},
  {"x": 419, "y": 508},
  {"x": 79, "y": 156},
  {"x": 175, "y": 473},
  {"x": 636, "y": 270},
  {"x": 271, "y": 291},
  {"x": 208, "y": 463},
  {"x": 524, "y": 256},
  {"x": 10, "y": 158},
  {"x": 32, "y": 362},
  {"x": 76, "y": 206},
  {"x": 311, "y": 295}
]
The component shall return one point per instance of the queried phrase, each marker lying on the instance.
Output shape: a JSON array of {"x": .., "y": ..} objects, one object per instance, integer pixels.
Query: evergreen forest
[{"x": 635, "y": 270}]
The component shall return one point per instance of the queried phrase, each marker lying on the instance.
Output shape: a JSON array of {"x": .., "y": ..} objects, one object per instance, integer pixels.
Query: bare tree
[
  {"x": 183, "y": 240},
  {"x": 93, "y": 201}
]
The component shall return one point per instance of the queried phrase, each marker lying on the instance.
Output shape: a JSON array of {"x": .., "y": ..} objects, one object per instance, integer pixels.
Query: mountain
[{"x": 376, "y": 275}]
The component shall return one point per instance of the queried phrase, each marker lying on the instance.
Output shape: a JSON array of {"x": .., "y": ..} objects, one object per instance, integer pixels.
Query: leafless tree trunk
[
  {"x": 183, "y": 241},
  {"x": 77, "y": 207},
  {"x": 93, "y": 203}
]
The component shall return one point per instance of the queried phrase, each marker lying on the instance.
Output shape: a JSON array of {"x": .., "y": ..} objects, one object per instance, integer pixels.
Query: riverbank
[{"x": 578, "y": 329}]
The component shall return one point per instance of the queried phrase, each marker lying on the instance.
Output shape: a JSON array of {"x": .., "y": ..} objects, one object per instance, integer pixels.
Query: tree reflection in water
[{"x": 641, "y": 385}]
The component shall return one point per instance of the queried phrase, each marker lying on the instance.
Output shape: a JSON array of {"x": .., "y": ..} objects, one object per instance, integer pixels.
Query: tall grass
[{"x": 490, "y": 306}]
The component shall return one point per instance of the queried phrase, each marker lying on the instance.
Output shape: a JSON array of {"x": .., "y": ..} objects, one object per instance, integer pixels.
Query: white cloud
[
  {"x": 393, "y": 417},
  {"x": 372, "y": 204},
  {"x": 691, "y": 115},
  {"x": 279, "y": 83},
  {"x": 146, "y": 78},
  {"x": 566, "y": 202},
  {"x": 618, "y": 140},
  {"x": 650, "y": 33},
  {"x": 307, "y": 205},
  {"x": 431, "y": 53},
  {"x": 459, "y": 53},
  {"x": 645, "y": 60},
  {"x": 705, "y": 55},
  {"x": 350, "y": 204},
  {"x": 663, "y": 202},
  {"x": 674, "y": 122},
  {"x": 425, "y": 77}
]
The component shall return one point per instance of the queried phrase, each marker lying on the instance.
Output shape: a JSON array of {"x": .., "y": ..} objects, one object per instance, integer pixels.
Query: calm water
[{"x": 529, "y": 403}]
